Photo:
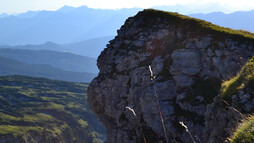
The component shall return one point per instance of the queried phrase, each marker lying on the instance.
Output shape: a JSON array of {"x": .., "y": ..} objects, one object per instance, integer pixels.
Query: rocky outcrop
[
  {"x": 220, "y": 122},
  {"x": 234, "y": 104},
  {"x": 188, "y": 57}
]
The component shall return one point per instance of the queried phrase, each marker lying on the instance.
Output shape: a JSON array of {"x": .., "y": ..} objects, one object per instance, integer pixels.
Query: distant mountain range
[
  {"x": 89, "y": 48},
  {"x": 48, "y": 64},
  {"x": 53, "y": 61},
  {"x": 13, "y": 67},
  {"x": 66, "y": 25},
  {"x": 70, "y": 25},
  {"x": 63, "y": 60},
  {"x": 238, "y": 20}
]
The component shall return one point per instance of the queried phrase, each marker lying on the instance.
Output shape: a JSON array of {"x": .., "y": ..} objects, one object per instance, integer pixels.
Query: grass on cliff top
[
  {"x": 244, "y": 80},
  {"x": 194, "y": 23},
  {"x": 244, "y": 132}
]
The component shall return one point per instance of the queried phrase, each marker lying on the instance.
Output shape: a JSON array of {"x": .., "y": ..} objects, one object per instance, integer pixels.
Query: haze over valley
[{"x": 115, "y": 72}]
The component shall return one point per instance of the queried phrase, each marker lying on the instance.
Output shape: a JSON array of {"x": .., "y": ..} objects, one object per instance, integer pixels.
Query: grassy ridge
[
  {"x": 47, "y": 109},
  {"x": 195, "y": 25}
]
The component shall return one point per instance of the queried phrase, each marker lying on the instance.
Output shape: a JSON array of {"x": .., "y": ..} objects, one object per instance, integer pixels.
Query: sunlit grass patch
[
  {"x": 244, "y": 79},
  {"x": 38, "y": 117},
  {"x": 31, "y": 108},
  {"x": 244, "y": 132},
  {"x": 83, "y": 123},
  {"x": 18, "y": 130}
]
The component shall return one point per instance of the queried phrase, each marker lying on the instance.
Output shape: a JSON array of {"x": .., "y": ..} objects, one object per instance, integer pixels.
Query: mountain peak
[{"x": 66, "y": 9}]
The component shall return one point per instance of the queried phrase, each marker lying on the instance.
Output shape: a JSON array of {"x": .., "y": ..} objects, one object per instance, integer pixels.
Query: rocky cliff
[{"x": 188, "y": 58}]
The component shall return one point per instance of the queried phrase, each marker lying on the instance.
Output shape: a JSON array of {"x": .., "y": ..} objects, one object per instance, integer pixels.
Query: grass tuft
[
  {"x": 244, "y": 132},
  {"x": 243, "y": 80}
]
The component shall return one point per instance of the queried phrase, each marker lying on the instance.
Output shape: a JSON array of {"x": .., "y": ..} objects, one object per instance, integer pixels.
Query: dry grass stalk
[
  {"x": 133, "y": 112},
  {"x": 187, "y": 130},
  {"x": 158, "y": 104}
]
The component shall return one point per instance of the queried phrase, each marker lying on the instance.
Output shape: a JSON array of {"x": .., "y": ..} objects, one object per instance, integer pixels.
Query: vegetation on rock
[
  {"x": 244, "y": 80},
  {"x": 245, "y": 132}
]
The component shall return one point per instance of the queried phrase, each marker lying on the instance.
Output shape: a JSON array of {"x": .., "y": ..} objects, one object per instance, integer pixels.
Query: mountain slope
[
  {"x": 62, "y": 60},
  {"x": 13, "y": 67},
  {"x": 91, "y": 47},
  {"x": 46, "y": 46},
  {"x": 41, "y": 110}
]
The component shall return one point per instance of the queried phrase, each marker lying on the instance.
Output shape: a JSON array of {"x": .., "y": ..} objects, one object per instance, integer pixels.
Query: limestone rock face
[
  {"x": 189, "y": 62},
  {"x": 220, "y": 122}
]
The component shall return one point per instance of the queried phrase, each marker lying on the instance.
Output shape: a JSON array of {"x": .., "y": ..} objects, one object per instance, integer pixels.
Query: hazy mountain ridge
[
  {"x": 13, "y": 67},
  {"x": 69, "y": 24},
  {"x": 238, "y": 20},
  {"x": 46, "y": 46},
  {"x": 61, "y": 27},
  {"x": 89, "y": 48},
  {"x": 63, "y": 60}
]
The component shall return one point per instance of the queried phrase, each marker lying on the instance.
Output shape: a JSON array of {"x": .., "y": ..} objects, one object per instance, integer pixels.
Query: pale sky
[{"x": 19, "y": 6}]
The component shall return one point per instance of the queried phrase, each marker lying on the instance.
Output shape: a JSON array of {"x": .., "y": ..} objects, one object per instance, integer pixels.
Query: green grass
[
  {"x": 38, "y": 117},
  {"x": 244, "y": 132},
  {"x": 244, "y": 80},
  {"x": 18, "y": 130},
  {"x": 83, "y": 123},
  {"x": 194, "y": 24},
  {"x": 32, "y": 105}
]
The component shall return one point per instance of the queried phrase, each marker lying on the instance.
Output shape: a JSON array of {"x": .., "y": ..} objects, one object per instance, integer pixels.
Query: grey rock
[
  {"x": 219, "y": 53},
  {"x": 200, "y": 98},
  {"x": 210, "y": 52},
  {"x": 138, "y": 43},
  {"x": 186, "y": 61},
  {"x": 180, "y": 58},
  {"x": 183, "y": 81},
  {"x": 220, "y": 122},
  {"x": 181, "y": 96},
  {"x": 221, "y": 44},
  {"x": 203, "y": 43}
]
